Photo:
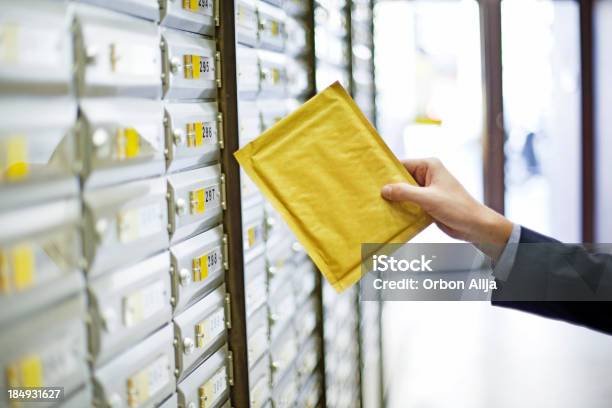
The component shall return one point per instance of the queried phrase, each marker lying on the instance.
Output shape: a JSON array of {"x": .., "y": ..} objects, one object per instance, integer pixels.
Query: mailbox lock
[
  {"x": 180, "y": 206},
  {"x": 185, "y": 277},
  {"x": 188, "y": 345},
  {"x": 179, "y": 138}
]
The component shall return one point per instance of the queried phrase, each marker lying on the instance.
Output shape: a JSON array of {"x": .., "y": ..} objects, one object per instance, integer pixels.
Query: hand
[{"x": 453, "y": 209}]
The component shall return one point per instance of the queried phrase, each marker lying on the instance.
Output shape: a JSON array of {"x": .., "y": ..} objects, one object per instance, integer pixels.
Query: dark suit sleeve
[{"x": 559, "y": 281}]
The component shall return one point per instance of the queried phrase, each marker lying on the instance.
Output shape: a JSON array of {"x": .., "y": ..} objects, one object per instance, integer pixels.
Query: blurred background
[{"x": 430, "y": 93}]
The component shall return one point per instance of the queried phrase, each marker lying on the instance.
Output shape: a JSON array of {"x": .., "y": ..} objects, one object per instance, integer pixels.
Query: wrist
[{"x": 491, "y": 228}]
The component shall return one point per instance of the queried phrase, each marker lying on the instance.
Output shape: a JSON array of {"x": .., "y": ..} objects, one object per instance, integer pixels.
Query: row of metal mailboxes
[
  {"x": 332, "y": 49},
  {"x": 127, "y": 305},
  {"x": 118, "y": 318},
  {"x": 114, "y": 140},
  {"x": 288, "y": 363},
  {"x": 115, "y": 55},
  {"x": 297, "y": 388},
  {"x": 370, "y": 325},
  {"x": 49, "y": 348},
  {"x": 191, "y": 15},
  {"x": 272, "y": 27},
  {"x": 269, "y": 74},
  {"x": 131, "y": 301},
  {"x": 342, "y": 372},
  {"x": 289, "y": 318},
  {"x": 332, "y": 17},
  {"x": 120, "y": 226}
]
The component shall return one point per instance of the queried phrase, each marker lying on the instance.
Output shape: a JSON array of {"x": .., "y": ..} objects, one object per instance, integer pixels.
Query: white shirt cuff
[{"x": 504, "y": 265}]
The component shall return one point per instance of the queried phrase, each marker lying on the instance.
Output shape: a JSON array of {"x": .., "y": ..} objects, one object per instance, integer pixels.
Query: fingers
[
  {"x": 403, "y": 192},
  {"x": 413, "y": 164},
  {"x": 422, "y": 169}
]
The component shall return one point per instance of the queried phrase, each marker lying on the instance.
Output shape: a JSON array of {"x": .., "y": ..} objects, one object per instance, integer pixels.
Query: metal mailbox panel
[
  {"x": 297, "y": 40},
  {"x": 363, "y": 79},
  {"x": 171, "y": 402},
  {"x": 35, "y": 51},
  {"x": 122, "y": 140},
  {"x": 193, "y": 135},
  {"x": 272, "y": 74},
  {"x": 362, "y": 58},
  {"x": 271, "y": 31},
  {"x": 249, "y": 123},
  {"x": 282, "y": 354},
  {"x": 361, "y": 13},
  {"x": 362, "y": 34},
  {"x": 278, "y": 251},
  {"x": 253, "y": 232},
  {"x": 142, "y": 376},
  {"x": 81, "y": 398},
  {"x": 198, "y": 266},
  {"x": 197, "y": 16},
  {"x": 40, "y": 256},
  {"x": 148, "y": 9},
  {"x": 306, "y": 320},
  {"x": 199, "y": 329},
  {"x": 127, "y": 305},
  {"x": 279, "y": 278},
  {"x": 116, "y": 54},
  {"x": 299, "y": 253},
  {"x": 311, "y": 392},
  {"x": 365, "y": 103},
  {"x": 36, "y": 156},
  {"x": 285, "y": 392},
  {"x": 271, "y": 111},
  {"x": 190, "y": 66},
  {"x": 208, "y": 385},
  {"x": 308, "y": 359},
  {"x": 278, "y": 236},
  {"x": 259, "y": 382},
  {"x": 257, "y": 335},
  {"x": 332, "y": 16},
  {"x": 246, "y": 22},
  {"x": 304, "y": 281},
  {"x": 332, "y": 50},
  {"x": 255, "y": 284},
  {"x": 196, "y": 201},
  {"x": 296, "y": 8},
  {"x": 125, "y": 223},
  {"x": 282, "y": 309},
  {"x": 47, "y": 349},
  {"x": 276, "y": 3},
  {"x": 247, "y": 72},
  {"x": 297, "y": 78}
]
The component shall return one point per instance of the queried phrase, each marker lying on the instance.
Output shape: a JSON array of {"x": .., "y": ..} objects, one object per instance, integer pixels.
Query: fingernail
[{"x": 386, "y": 191}]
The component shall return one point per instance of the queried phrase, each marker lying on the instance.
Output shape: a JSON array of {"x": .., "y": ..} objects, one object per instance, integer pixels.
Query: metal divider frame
[
  {"x": 381, "y": 367},
  {"x": 232, "y": 222},
  {"x": 493, "y": 131},
  {"x": 228, "y": 107},
  {"x": 587, "y": 67},
  {"x": 312, "y": 79}
]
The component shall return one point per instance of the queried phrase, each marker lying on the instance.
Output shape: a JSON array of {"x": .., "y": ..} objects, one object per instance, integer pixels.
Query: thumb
[{"x": 404, "y": 192}]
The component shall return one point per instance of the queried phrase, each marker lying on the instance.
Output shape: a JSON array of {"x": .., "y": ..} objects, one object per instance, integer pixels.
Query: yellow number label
[
  {"x": 197, "y": 67},
  {"x": 213, "y": 388},
  {"x": 200, "y": 133},
  {"x": 203, "y": 198},
  {"x": 128, "y": 143},
  {"x": 16, "y": 159}
]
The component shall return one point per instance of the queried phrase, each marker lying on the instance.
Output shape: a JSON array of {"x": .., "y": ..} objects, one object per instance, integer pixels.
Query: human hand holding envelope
[{"x": 322, "y": 168}]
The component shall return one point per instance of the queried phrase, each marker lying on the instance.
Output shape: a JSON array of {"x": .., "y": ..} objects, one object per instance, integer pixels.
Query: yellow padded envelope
[{"x": 322, "y": 167}]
